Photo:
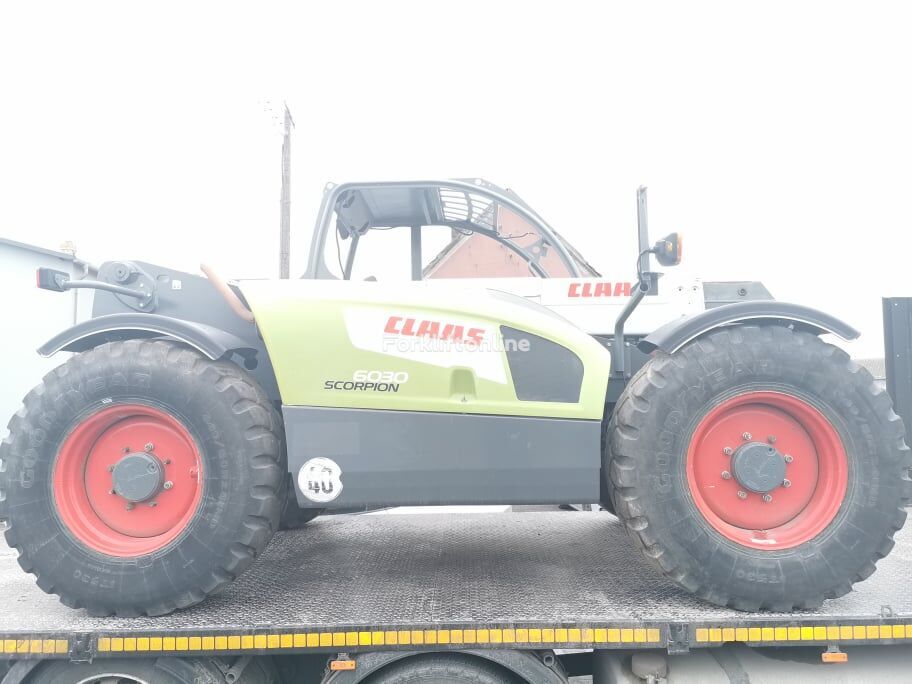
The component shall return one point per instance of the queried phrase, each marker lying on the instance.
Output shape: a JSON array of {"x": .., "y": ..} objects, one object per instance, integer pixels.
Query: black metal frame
[{"x": 897, "y": 320}]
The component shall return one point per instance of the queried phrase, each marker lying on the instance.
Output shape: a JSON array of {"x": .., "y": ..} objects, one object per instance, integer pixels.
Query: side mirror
[
  {"x": 668, "y": 250},
  {"x": 49, "y": 279}
]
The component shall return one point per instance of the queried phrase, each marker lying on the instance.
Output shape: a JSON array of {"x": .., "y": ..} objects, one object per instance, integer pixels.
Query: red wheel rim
[
  {"x": 816, "y": 470},
  {"x": 84, "y": 479}
]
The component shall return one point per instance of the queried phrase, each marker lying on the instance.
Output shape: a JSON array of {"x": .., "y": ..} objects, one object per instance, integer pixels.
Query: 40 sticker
[{"x": 320, "y": 479}]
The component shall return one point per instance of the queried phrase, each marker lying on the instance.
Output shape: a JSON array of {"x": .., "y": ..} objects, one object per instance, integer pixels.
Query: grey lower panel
[{"x": 396, "y": 458}]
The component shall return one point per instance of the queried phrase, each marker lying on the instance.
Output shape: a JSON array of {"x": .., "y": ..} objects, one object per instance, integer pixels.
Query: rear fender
[
  {"x": 212, "y": 342},
  {"x": 675, "y": 334}
]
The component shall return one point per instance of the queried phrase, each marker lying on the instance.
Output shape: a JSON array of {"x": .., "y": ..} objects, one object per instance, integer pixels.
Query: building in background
[
  {"x": 33, "y": 316},
  {"x": 474, "y": 255}
]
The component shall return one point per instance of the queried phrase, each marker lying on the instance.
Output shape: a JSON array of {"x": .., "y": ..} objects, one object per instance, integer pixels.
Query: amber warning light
[
  {"x": 669, "y": 249},
  {"x": 337, "y": 665}
]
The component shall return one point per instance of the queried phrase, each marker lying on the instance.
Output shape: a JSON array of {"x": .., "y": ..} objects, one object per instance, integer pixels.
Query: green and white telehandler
[{"x": 752, "y": 463}]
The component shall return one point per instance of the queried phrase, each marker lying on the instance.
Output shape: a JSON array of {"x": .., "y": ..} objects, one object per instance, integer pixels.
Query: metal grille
[{"x": 460, "y": 206}]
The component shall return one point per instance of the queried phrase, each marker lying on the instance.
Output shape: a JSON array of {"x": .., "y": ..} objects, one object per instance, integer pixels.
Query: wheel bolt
[
  {"x": 742, "y": 494},
  {"x": 786, "y": 483},
  {"x": 126, "y": 450},
  {"x": 130, "y": 505},
  {"x": 746, "y": 436},
  {"x": 167, "y": 461},
  {"x": 153, "y": 504},
  {"x": 727, "y": 451},
  {"x": 111, "y": 491},
  {"x": 767, "y": 498},
  {"x": 110, "y": 469},
  {"x": 787, "y": 458},
  {"x": 726, "y": 475},
  {"x": 149, "y": 447},
  {"x": 168, "y": 484},
  {"x": 771, "y": 439}
]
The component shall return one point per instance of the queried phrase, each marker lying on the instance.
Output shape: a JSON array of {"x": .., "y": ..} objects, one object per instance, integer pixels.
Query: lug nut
[
  {"x": 727, "y": 451},
  {"x": 129, "y": 506},
  {"x": 167, "y": 461},
  {"x": 110, "y": 469},
  {"x": 153, "y": 504},
  {"x": 767, "y": 498},
  {"x": 149, "y": 447},
  {"x": 746, "y": 436},
  {"x": 726, "y": 475},
  {"x": 742, "y": 494},
  {"x": 168, "y": 484},
  {"x": 788, "y": 458},
  {"x": 126, "y": 450},
  {"x": 771, "y": 439},
  {"x": 111, "y": 491},
  {"x": 786, "y": 483}
]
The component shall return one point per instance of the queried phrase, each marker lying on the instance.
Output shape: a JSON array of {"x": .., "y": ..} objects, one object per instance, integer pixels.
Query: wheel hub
[
  {"x": 758, "y": 467},
  {"x": 766, "y": 469},
  {"x": 138, "y": 476},
  {"x": 118, "y": 497}
]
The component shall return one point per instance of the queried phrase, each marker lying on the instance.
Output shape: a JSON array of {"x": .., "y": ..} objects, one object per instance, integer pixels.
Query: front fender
[
  {"x": 675, "y": 334},
  {"x": 212, "y": 342}
]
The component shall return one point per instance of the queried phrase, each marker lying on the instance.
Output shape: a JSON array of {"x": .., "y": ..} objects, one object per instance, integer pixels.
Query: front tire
[
  {"x": 140, "y": 477},
  {"x": 759, "y": 468}
]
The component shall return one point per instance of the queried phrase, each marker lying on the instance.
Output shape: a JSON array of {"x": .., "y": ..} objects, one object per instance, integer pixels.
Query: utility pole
[{"x": 285, "y": 201}]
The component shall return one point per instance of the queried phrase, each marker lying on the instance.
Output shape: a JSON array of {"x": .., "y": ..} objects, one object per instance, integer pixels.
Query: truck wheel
[
  {"x": 141, "y": 476},
  {"x": 152, "y": 671},
  {"x": 443, "y": 668},
  {"x": 759, "y": 468}
]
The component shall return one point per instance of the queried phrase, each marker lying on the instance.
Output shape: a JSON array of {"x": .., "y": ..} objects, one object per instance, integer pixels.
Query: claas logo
[
  {"x": 599, "y": 289},
  {"x": 435, "y": 330}
]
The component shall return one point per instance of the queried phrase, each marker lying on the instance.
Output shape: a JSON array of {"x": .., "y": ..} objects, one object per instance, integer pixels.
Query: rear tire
[
  {"x": 811, "y": 433},
  {"x": 103, "y": 539},
  {"x": 442, "y": 668}
]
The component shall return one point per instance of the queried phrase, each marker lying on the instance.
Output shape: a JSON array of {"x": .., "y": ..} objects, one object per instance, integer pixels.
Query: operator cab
[{"x": 436, "y": 230}]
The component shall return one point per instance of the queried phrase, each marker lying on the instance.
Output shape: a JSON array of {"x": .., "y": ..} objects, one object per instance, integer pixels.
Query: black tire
[
  {"x": 293, "y": 516},
  {"x": 443, "y": 668},
  {"x": 151, "y": 671},
  {"x": 237, "y": 434},
  {"x": 649, "y": 435}
]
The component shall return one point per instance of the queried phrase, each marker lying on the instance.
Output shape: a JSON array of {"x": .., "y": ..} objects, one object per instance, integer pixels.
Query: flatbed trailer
[{"x": 368, "y": 589}]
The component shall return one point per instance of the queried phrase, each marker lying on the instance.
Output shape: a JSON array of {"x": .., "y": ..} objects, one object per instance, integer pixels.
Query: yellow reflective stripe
[{"x": 519, "y": 635}]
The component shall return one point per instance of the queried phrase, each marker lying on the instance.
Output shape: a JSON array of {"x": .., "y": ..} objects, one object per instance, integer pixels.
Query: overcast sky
[{"x": 776, "y": 136}]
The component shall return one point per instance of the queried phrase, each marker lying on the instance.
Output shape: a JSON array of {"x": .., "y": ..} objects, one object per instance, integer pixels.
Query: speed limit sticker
[{"x": 320, "y": 479}]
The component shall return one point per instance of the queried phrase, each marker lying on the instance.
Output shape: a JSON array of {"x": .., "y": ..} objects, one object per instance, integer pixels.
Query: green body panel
[{"x": 339, "y": 333}]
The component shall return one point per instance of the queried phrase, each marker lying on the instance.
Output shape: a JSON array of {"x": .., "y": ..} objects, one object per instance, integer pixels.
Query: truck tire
[
  {"x": 152, "y": 671},
  {"x": 443, "y": 668},
  {"x": 140, "y": 476},
  {"x": 759, "y": 468}
]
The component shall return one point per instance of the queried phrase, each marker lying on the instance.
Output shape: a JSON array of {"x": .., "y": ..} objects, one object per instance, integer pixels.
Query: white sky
[{"x": 777, "y": 136}]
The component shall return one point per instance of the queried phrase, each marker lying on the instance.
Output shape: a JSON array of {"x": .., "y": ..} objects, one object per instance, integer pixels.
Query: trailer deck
[{"x": 517, "y": 580}]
